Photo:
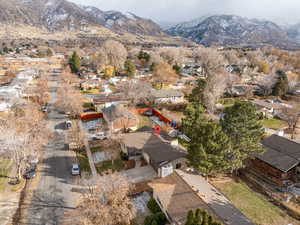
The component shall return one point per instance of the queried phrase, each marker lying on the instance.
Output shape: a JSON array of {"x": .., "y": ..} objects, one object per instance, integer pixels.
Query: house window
[{"x": 178, "y": 165}]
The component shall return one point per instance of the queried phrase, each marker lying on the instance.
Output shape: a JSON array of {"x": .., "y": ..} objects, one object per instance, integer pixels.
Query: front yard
[
  {"x": 83, "y": 161},
  {"x": 116, "y": 165},
  {"x": 254, "y": 205},
  {"x": 274, "y": 123},
  {"x": 5, "y": 168}
]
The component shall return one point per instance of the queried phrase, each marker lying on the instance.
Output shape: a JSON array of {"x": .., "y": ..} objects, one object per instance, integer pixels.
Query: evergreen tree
[
  {"x": 282, "y": 85},
  {"x": 198, "y": 217},
  {"x": 204, "y": 218},
  {"x": 177, "y": 68},
  {"x": 75, "y": 63},
  {"x": 130, "y": 68},
  {"x": 190, "y": 218},
  {"x": 144, "y": 56},
  {"x": 197, "y": 95},
  {"x": 193, "y": 115},
  {"x": 241, "y": 123},
  {"x": 208, "y": 148}
]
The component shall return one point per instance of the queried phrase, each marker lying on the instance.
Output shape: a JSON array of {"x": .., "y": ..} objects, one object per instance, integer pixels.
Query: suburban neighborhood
[{"x": 100, "y": 131}]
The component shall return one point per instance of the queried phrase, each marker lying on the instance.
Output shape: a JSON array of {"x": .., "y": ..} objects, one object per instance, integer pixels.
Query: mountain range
[
  {"x": 231, "y": 30},
  {"x": 221, "y": 30},
  {"x": 57, "y": 15}
]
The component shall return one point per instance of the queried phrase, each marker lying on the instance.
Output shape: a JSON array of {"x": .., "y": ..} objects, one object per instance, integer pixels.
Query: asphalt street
[{"x": 54, "y": 194}]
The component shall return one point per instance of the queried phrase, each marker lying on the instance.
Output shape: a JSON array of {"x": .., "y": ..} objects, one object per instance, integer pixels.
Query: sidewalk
[
  {"x": 89, "y": 154},
  {"x": 222, "y": 207}
]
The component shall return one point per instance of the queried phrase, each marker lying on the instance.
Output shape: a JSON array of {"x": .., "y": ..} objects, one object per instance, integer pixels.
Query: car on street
[
  {"x": 75, "y": 169},
  {"x": 68, "y": 124},
  {"x": 99, "y": 136},
  {"x": 30, "y": 173},
  {"x": 46, "y": 108}
]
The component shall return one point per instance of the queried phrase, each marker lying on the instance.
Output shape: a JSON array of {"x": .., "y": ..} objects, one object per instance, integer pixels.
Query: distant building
[{"x": 168, "y": 96}]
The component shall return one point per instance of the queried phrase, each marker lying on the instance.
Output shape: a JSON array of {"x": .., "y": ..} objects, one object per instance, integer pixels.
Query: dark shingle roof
[
  {"x": 281, "y": 153},
  {"x": 283, "y": 145}
]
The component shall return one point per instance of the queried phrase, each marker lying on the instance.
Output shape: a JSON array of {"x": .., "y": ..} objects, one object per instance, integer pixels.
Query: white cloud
[{"x": 182, "y": 10}]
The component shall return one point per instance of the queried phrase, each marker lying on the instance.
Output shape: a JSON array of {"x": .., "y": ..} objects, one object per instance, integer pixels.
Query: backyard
[
  {"x": 254, "y": 205},
  {"x": 274, "y": 123}
]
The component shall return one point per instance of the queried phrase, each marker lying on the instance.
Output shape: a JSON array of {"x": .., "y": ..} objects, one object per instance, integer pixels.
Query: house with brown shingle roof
[{"x": 176, "y": 198}]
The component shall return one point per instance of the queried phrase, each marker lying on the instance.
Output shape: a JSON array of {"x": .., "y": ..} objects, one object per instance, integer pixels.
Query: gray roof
[
  {"x": 278, "y": 160},
  {"x": 158, "y": 150},
  {"x": 167, "y": 93},
  {"x": 115, "y": 112},
  {"x": 281, "y": 153}
]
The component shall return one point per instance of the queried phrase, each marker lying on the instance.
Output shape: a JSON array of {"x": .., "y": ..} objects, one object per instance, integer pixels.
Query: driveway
[
  {"x": 53, "y": 196},
  {"x": 222, "y": 207},
  {"x": 140, "y": 174}
]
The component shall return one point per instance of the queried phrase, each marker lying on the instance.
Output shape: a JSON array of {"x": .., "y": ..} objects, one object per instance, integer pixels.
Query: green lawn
[
  {"x": 83, "y": 162},
  {"x": 118, "y": 165},
  {"x": 274, "y": 123},
  {"x": 252, "y": 204},
  {"x": 96, "y": 149},
  {"x": 5, "y": 167}
]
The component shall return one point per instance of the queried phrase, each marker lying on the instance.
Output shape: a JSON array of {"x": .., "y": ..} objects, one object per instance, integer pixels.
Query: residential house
[
  {"x": 233, "y": 68},
  {"x": 118, "y": 117},
  {"x": 176, "y": 198},
  {"x": 168, "y": 96},
  {"x": 269, "y": 107},
  {"x": 105, "y": 101},
  {"x": 157, "y": 152},
  {"x": 193, "y": 70},
  {"x": 279, "y": 163},
  {"x": 90, "y": 84}
]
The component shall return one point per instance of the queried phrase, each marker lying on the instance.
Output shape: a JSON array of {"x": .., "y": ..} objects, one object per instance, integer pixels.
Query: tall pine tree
[
  {"x": 209, "y": 147},
  {"x": 241, "y": 123},
  {"x": 75, "y": 63}
]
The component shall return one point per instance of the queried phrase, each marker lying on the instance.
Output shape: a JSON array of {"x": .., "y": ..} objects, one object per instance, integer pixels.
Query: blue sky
[{"x": 184, "y": 10}]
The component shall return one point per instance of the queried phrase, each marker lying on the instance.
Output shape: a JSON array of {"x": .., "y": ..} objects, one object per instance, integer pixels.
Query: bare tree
[
  {"x": 293, "y": 81},
  {"x": 138, "y": 92},
  {"x": 172, "y": 55},
  {"x": 267, "y": 84},
  {"x": 70, "y": 100},
  {"x": 23, "y": 133},
  {"x": 106, "y": 201},
  {"x": 76, "y": 135},
  {"x": 114, "y": 54},
  {"x": 212, "y": 63},
  {"x": 216, "y": 84},
  {"x": 164, "y": 74},
  {"x": 292, "y": 117}
]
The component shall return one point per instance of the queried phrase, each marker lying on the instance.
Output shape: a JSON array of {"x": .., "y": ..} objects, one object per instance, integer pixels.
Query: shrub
[
  {"x": 153, "y": 206},
  {"x": 124, "y": 156},
  {"x": 157, "y": 219}
]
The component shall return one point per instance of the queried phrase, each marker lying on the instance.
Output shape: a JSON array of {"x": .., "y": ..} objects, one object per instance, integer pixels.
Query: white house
[{"x": 168, "y": 96}]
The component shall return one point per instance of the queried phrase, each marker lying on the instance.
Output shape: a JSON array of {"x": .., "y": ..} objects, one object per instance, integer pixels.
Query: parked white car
[
  {"x": 75, "y": 169},
  {"x": 99, "y": 136}
]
